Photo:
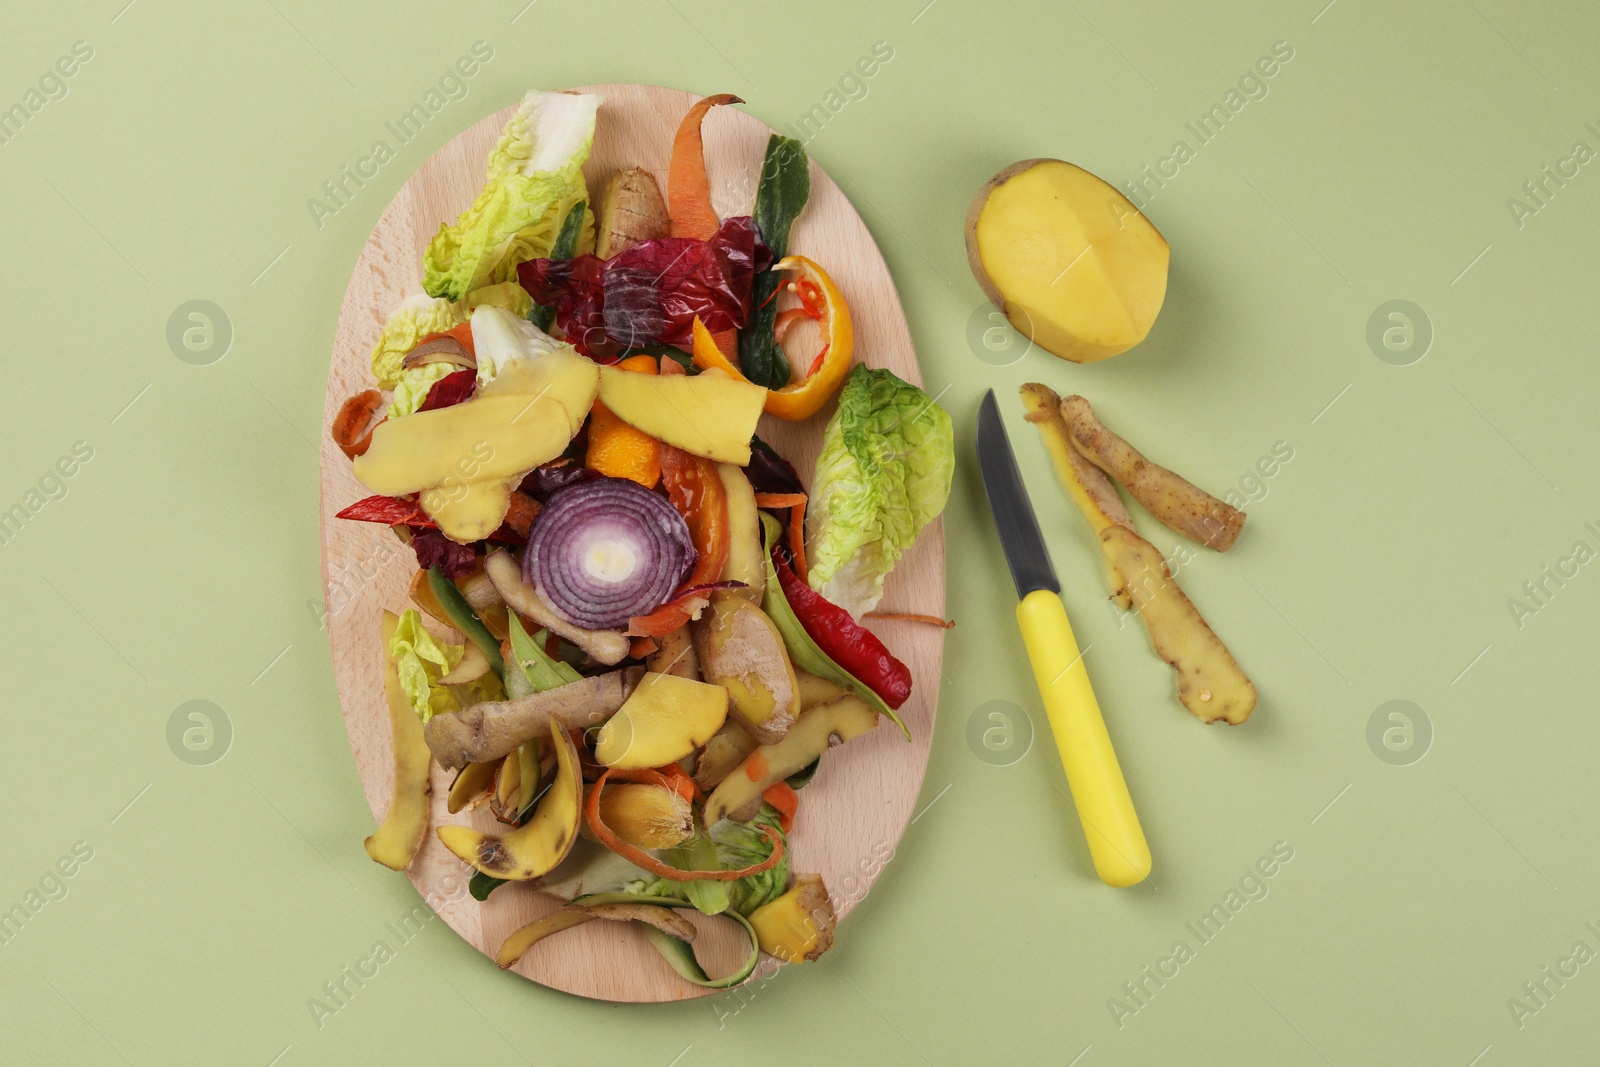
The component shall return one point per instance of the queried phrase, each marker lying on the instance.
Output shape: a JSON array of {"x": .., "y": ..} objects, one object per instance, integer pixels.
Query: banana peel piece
[{"x": 536, "y": 847}]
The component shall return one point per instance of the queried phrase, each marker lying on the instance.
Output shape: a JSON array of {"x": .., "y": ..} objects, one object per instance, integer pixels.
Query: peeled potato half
[{"x": 1069, "y": 260}]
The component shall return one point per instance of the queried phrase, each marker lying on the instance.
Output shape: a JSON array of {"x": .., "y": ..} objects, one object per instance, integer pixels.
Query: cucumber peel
[
  {"x": 463, "y": 618},
  {"x": 566, "y": 247},
  {"x": 678, "y": 953}
]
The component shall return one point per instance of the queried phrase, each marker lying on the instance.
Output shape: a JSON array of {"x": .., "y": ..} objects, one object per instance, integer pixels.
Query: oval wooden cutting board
[{"x": 853, "y": 814}]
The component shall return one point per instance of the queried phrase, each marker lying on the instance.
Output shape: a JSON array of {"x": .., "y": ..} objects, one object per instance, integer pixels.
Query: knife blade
[{"x": 1105, "y": 809}]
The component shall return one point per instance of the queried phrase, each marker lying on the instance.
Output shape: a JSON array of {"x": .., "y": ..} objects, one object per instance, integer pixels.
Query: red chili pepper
[
  {"x": 389, "y": 510},
  {"x": 848, "y": 643},
  {"x": 811, "y": 298}
]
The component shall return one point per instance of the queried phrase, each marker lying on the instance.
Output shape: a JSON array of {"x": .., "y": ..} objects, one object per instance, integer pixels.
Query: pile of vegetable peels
[{"x": 634, "y": 632}]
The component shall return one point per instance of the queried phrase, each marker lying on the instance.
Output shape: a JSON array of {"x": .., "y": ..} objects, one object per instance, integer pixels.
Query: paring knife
[{"x": 1111, "y": 826}]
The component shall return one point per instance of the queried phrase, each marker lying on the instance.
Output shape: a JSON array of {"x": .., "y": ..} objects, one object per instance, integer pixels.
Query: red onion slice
[{"x": 605, "y": 550}]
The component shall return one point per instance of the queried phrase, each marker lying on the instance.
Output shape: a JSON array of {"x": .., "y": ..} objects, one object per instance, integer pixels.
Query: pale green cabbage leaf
[
  {"x": 421, "y": 660},
  {"x": 534, "y": 176},
  {"x": 884, "y": 473},
  {"x": 413, "y": 318},
  {"x": 411, "y": 386}
]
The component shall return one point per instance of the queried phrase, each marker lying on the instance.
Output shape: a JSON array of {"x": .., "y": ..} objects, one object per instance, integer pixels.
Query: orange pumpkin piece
[{"x": 619, "y": 450}]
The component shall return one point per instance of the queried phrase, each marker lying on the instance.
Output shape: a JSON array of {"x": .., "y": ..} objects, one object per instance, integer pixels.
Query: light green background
[{"x": 182, "y": 564}]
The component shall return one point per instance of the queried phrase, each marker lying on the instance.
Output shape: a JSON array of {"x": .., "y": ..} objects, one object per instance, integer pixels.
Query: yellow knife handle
[{"x": 1110, "y": 825}]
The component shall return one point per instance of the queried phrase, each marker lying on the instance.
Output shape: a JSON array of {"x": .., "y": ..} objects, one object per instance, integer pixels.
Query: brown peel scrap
[
  {"x": 1178, "y": 503},
  {"x": 1085, "y": 483},
  {"x": 1210, "y": 682}
]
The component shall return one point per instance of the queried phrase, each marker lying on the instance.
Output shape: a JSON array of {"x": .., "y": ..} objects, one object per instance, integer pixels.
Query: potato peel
[
  {"x": 1210, "y": 682},
  {"x": 1085, "y": 483},
  {"x": 1177, "y": 502}
]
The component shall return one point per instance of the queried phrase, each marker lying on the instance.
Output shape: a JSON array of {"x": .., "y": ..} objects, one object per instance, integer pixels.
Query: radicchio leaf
[
  {"x": 434, "y": 549},
  {"x": 651, "y": 293}
]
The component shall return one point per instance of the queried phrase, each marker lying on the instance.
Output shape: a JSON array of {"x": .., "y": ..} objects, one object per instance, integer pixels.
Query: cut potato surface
[{"x": 1071, "y": 262}]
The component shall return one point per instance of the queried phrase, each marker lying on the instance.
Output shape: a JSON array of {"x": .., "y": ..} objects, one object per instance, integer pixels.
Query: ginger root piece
[
  {"x": 1210, "y": 683},
  {"x": 674, "y": 654},
  {"x": 631, "y": 211},
  {"x": 482, "y": 732},
  {"x": 1180, "y": 504}
]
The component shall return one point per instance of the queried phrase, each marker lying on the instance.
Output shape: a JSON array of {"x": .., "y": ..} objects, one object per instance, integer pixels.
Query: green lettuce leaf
[
  {"x": 884, "y": 473},
  {"x": 592, "y": 868},
  {"x": 533, "y": 177},
  {"x": 737, "y": 845},
  {"x": 509, "y": 295},
  {"x": 411, "y": 387},
  {"x": 416, "y": 317},
  {"x": 421, "y": 660},
  {"x": 502, "y": 339},
  {"x": 741, "y": 845}
]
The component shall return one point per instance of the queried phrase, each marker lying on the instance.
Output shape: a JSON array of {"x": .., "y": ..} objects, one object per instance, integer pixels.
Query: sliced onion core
[
  {"x": 606, "y": 550},
  {"x": 611, "y": 559}
]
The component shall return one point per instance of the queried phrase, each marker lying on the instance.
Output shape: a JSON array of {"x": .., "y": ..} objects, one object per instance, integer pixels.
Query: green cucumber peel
[
  {"x": 466, "y": 620},
  {"x": 803, "y": 651},
  {"x": 678, "y": 953},
  {"x": 780, "y": 197},
  {"x": 566, "y": 247},
  {"x": 801, "y": 778},
  {"x": 540, "y": 671},
  {"x": 699, "y": 853}
]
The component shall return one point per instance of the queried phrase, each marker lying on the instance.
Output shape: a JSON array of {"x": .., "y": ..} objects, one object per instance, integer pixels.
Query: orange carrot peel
[
  {"x": 782, "y": 796},
  {"x": 617, "y": 449},
  {"x": 350, "y": 429},
  {"x": 689, "y": 209},
  {"x": 902, "y": 616}
]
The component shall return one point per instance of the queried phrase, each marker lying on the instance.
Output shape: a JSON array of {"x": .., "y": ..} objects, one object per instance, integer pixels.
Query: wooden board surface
[{"x": 853, "y": 814}]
